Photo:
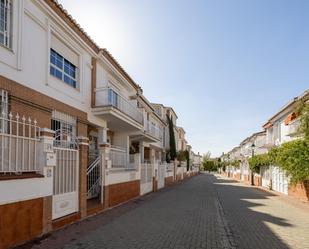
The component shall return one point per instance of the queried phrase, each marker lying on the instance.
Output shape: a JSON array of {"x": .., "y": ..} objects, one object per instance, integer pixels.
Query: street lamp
[{"x": 252, "y": 154}]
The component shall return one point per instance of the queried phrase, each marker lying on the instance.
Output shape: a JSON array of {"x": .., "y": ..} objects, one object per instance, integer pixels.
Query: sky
[{"x": 225, "y": 66}]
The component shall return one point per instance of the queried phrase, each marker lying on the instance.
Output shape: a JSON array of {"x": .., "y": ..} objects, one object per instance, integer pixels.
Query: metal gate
[
  {"x": 146, "y": 178},
  {"x": 161, "y": 175},
  {"x": 279, "y": 180},
  {"x": 265, "y": 176},
  {"x": 65, "y": 187}
]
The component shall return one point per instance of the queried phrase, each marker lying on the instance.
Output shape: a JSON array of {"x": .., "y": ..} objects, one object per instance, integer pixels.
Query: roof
[
  {"x": 63, "y": 13},
  {"x": 252, "y": 136},
  {"x": 304, "y": 95}
]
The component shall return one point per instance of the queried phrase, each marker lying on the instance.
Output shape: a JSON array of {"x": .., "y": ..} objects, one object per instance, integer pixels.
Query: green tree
[
  {"x": 187, "y": 156},
  {"x": 172, "y": 152}
]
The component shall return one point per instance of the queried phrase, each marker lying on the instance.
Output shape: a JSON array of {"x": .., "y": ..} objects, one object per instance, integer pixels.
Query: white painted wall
[{"x": 25, "y": 189}]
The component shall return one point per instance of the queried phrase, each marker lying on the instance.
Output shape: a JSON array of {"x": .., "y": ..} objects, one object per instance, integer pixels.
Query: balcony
[
  {"x": 150, "y": 133},
  {"x": 293, "y": 127},
  {"x": 153, "y": 130},
  {"x": 120, "y": 113}
]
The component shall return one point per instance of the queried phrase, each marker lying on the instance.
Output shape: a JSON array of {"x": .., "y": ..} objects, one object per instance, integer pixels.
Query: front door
[{"x": 65, "y": 187}]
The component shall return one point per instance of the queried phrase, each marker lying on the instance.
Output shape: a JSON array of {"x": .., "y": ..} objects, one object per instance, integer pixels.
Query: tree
[
  {"x": 257, "y": 161},
  {"x": 172, "y": 152},
  {"x": 181, "y": 156},
  {"x": 187, "y": 156}
]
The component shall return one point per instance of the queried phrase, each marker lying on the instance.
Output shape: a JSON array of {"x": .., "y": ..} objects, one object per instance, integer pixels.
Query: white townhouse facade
[
  {"x": 280, "y": 128},
  {"x": 77, "y": 135}
]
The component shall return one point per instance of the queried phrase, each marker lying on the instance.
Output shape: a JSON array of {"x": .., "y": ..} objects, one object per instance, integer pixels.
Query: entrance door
[
  {"x": 265, "y": 175},
  {"x": 279, "y": 180},
  {"x": 146, "y": 178},
  {"x": 65, "y": 187},
  {"x": 161, "y": 175}
]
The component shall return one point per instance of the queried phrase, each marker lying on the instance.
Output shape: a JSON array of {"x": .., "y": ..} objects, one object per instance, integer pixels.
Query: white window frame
[
  {"x": 76, "y": 79},
  {"x": 7, "y": 32}
]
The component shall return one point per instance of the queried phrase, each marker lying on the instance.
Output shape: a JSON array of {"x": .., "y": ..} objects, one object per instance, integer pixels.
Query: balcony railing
[
  {"x": 108, "y": 97},
  {"x": 293, "y": 127},
  {"x": 120, "y": 158},
  {"x": 153, "y": 130}
]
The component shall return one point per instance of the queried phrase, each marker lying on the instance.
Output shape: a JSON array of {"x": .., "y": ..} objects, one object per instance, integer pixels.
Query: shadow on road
[{"x": 248, "y": 225}]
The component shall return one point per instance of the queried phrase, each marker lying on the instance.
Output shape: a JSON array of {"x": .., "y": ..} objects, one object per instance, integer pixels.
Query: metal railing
[
  {"x": 153, "y": 130},
  {"x": 120, "y": 158},
  {"x": 293, "y": 127},
  {"x": 108, "y": 97},
  {"x": 169, "y": 167},
  {"x": 19, "y": 138},
  {"x": 94, "y": 178}
]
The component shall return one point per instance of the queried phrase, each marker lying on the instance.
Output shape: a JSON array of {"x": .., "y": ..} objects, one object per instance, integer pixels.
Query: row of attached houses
[
  {"x": 77, "y": 135},
  {"x": 280, "y": 128}
]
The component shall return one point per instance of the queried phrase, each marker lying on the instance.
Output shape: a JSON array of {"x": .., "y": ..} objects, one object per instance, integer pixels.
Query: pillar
[
  {"x": 49, "y": 157},
  {"x": 83, "y": 144}
]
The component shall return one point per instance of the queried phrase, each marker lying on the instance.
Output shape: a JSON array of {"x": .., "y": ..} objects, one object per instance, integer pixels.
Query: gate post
[
  {"x": 48, "y": 163},
  {"x": 83, "y": 143},
  {"x": 104, "y": 153}
]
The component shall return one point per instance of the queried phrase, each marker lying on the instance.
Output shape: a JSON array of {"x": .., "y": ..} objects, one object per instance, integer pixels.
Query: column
[
  {"x": 49, "y": 157},
  {"x": 104, "y": 149},
  {"x": 83, "y": 144}
]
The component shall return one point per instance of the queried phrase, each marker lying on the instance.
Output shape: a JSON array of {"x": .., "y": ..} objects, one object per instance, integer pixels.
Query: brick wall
[
  {"x": 168, "y": 181},
  {"x": 257, "y": 180},
  {"x": 20, "y": 221},
  {"x": 299, "y": 190},
  {"x": 178, "y": 177},
  {"x": 121, "y": 192}
]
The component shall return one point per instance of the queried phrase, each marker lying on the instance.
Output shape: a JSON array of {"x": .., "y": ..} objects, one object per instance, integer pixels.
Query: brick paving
[{"x": 202, "y": 212}]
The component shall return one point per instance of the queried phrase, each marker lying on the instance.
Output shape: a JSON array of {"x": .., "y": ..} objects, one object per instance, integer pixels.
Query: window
[
  {"x": 62, "y": 69},
  {"x": 5, "y": 22},
  {"x": 112, "y": 98},
  {"x": 65, "y": 127}
]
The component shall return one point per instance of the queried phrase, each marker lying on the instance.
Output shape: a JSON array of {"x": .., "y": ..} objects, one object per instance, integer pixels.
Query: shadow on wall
[{"x": 247, "y": 225}]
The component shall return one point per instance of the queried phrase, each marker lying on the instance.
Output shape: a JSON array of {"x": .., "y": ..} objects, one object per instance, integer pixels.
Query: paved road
[{"x": 203, "y": 212}]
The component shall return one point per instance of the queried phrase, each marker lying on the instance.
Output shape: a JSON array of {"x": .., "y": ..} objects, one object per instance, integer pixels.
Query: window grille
[
  {"x": 5, "y": 22},
  {"x": 64, "y": 126},
  {"x": 4, "y": 110}
]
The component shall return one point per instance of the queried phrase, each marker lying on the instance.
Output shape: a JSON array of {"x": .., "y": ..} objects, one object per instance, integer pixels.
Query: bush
[
  {"x": 293, "y": 157},
  {"x": 235, "y": 163},
  {"x": 181, "y": 156},
  {"x": 257, "y": 161},
  {"x": 209, "y": 165}
]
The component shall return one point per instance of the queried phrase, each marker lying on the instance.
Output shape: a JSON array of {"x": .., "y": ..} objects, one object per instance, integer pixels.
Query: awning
[{"x": 290, "y": 118}]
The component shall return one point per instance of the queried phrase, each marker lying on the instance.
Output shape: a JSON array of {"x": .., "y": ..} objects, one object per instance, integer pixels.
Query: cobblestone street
[{"x": 203, "y": 212}]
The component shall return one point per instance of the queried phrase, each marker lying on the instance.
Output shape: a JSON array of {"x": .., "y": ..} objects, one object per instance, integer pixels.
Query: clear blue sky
[{"x": 225, "y": 66}]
